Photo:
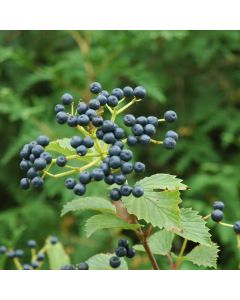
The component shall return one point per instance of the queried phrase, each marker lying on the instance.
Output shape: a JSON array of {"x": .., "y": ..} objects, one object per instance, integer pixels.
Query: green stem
[
  {"x": 180, "y": 257},
  {"x": 225, "y": 224}
]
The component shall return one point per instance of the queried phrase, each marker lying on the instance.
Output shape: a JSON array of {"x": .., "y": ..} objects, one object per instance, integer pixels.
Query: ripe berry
[
  {"x": 82, "y": 108},
  {"x": 107, "y": 126},
  {"x": 217, "y": 215},
  {"x": 53, "y": 240},
  {"x": 97, "y": 174},
  {"x": 3, "y": 249},
  {"x": 119, "y": 179},
  {"x": 61, "y": 161},
  {"x": 121, "y": 251},
  {"x": 26, "y": 267},
  {"x": 88, "y": 142},
  {"x": 37, "y": 150},
  {"x": 35, "y": 264},
  {"x": 19, "y": 253},
  {"x": 125, "y": 190},
  {"x": 104, "y": 93},
  {"x": 112, "y": 101},
  {"x": 79, "y": 189},
  {"x": 84, "y": 177},
  {"x": 43, "y": 140},
  {"x": 95, "y": 87},
  {"x": 132, "y": 140},
  {"x": 139, "y": 167},
  {"x": 31, "y": 173},
  {"x": 32, "y": 157},
  {"x": 94, "y": 104},
  {"x": 102, "y": 99},
  {"x": 81, "y": 150},
  {"x": 109, "y": 179},
  {"x": 172, "y": 134},
  {"x": 31, "y": 244},
  {"x": 119, "y": 133},
  {"x": 70, "y": 183},
  {"x": 25, "y": 152},
  {"x": 61, "y": 117},
  {"x": 109, "y": 138},
  {"x": 104, "y": 166},
  {"x": 114, "y": 150},
  {"x": 142, "y": 120},
  {"x": 149, "y": 129},
  {"x": 115, "y": 162},
  {"x": 37, "y": 182},
  {"x": 76, "y": 141},
  {"x": 99, "y": 134},
  {"x": 115, "y": 262},
  {"x": 236, "y": 227},
  {"x": 97, "y": 121},
  {"x": 127, "y": 167},
  {"x": 170, "y": 116},
  {"x": 72, "y": 121},
  {"x": 11, "y": 254},
  {"x": 83, "y": 120},
  {"x": 137, "y": 129},
  {"x": 126, "y": 155},
  {"x": 218, "y": 205},
  {"x": 91, "y": 113},
  {"x": 40, "y": 164},
  {"x": 115, "y": 194},
  {"x": 123, "y": 243},
  {"x": 139, "y": 92},
  {"x": 131, "y": 252},
  {"x": 169, "y": 143},
  {"x": 67, "y": 99},
  {"x": 58, "y": 108},
  {"x": 117, "y": 93},
  {"x": 129, "y": 120},
  {"x": 47, "y": 157},
  {"x": 40, "y": 256},
  {"x": 137, "y": 191},
  {"x": 25, "y": 165},
  {"x": 128, "y": 92},
  {"x": 152, "y": 120},
  {"x": 25, "y": 183},
  {"x": 83, "y": 266},
  {"x": 119, "y": 144},
  {"x": 144, "y": 139}
]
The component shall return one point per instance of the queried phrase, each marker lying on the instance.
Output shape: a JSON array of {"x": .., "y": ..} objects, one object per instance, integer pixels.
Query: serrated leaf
[
  {"x": 158, "y": 208},
  {"x": 101, "y": 262},
  {"x": 61, "y": 146},
  {"x": 194, "y": 227},
  {"x": 160, "y": 242},
  {"x": 104, "y": 221},
  {"x": 57, "y": 256},
  {"x": 89, "y": 203},
  {"x": 203, "y": 255}
]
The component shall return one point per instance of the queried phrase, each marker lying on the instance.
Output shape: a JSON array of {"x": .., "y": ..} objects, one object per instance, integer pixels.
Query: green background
[{"x": 195, "y": 73}]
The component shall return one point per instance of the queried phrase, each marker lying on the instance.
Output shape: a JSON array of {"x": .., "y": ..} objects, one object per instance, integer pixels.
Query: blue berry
[
  {"x": 132, "y": 140},
  {"x": 72, "y": 121},
  {"x": 115, "y": 162},
  {"x": 35, "y": 264},
  {"x": 117, "y": 92},
  {"x": 40, "y": 256},
  {"x": 119, "y": 133},
  {"x": 172, "y": 134},
  {"x": 24, "y": 183},
  {"x": 104, "y": 93},
  {"x": 25, "y": 152},
  {"x": 88, "y": 142},
  {"x": 236, "y": 227},
  {"x": 61, "y": 117},
  {"x": 11, "y": 254},
  {"x": 67, "y": 99},
  {"x": 97, "y": 174},
  {"x": 32, "y": 157},
  {"x": 109, "y": 138},
  {"x": 47, "y": 157},
  {"x": 61, "y": 161},
  {"x": 127, "y": 168},
  {"x": 140, "y": 92},
  {"x": 114, "y": 262},
  {"x": 40, "y": 163},
  {"x": 218, "y": 205},
  {"x": 79, "y": 189},
  {"x": 84, "y": 177},
  {"x": 114, "y": 150},
  {"x": 142, "y": 120},
  {"x": 121, "y": 251},
  {"x": 53, "y": 240},
  {"x": 104, "y": 166},
  {"x": 37, "y": 150},
  {"x": 91, "y": 113},
  {"x": 112, "y": 101},
  {"x": 31, "y": 173},
  {"x": 152, "y": 120},
  {"x": 137, "y": 129},
  {"x": 149, "y": 129},
  {"x": 170, "y": 116},
  {"x": 19, "y": 253},
  {"x": 217, "y": 215},
  {"x": 83, "y": 120},
  {"x": 83, "y": 266},
  {"x": 108, "y": 126},
  {"x": 131, "y": 252},
  {"x": 144, "y": 139},
  {"x": 119, "y": 144},
  {"x": 82, "y": 108},
  {"x": 126, "y": 155},
  {"x": 139, "y": 167},
  {"x": 26, "y": 267},
  {"x": 76, "y": 141},
  {"x": 102, "y": 99},
  {"x": 109, "y": 179},
  {"x": 58, "y": 108},
  {"x": 125, "y": 190},
  {"x": 81, "y": 150},
  {"x": 99, "y": 134},
  {"x": 25, "y": 165},
  {"x": 123, "y": 243},
  {"x": 37, "y": 182},
  {"x": 97, "y": 121},
  {"x": 137, "y": 191},
  {"x": 95, "y": 87},
  {"x": 128, "y": 92},
  {"x": 94, "y": 104},
  {"x": 129, "y": 120},
  {"x": 119, "y": 179},
  {"x": 115, "y": 194},
  {"x": 31, "y": 244},
  {"x": 169, "y": 143},
  {"x": 70, "y": 183},
  {"x": 43, "y": 140},
  {"x": 3, "y": 249}
]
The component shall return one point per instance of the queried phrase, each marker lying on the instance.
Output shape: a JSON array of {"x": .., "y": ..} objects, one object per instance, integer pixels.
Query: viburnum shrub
[{"x": 99, "y": 150}]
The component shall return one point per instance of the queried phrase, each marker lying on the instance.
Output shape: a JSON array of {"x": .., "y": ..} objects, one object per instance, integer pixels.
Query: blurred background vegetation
[{"x": 195, "y": 73}]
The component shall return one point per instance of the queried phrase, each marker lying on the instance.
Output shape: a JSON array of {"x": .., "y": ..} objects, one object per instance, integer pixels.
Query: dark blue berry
[
  {"x": 217, "y": 215},
  {"x": 94, "y": 104},
  {"x": 79, "y": 189},
  {"x": 70, "y": 183},
  {"x": 170, "y": 116},
  {"x": 126, "y": 155},
  {"x": 37, "y": 150},
  {"x": 35, "y": 264},
  {"x": 40, "y": 256},
  {"x": 67, "y": 99},
  {"x": 115, "y": 162},
  {"x": 97, "y": 121},
  {"x": 61, "y": 161},
  {"x": 3, "y": 249},
  {"x": 53, "y": 240},
  {"x": 43, "y": 140},
  {"x": 115, "y": 194},
  {"x": 114, "y": 150},
  {"x": 31, "y": 173},
  {"x": 112, "y": 101},
  {"x": 104, "y": 93},
  {"x": 88, "y": 142},
  {"x": 139, "y": 167},
  {"x": 31, "y": 244},
  {"x": 82, "y": 108},
  {"x": 129, "y": 120},
  {"x": 83, "y": 120},
  {"x": 127, "y": 168},
  {"x": 91, "y": 113},
  {"x": 236, "y": 227},
  {"x": 144, "y": 139},
  {"x": 25, "y": 183},
  {"x": 104, "y": 166},
  {"x": 81, "y": 150},
  {"x": 83, "y": 266},
  {"x": 128, "y": 92},
  {"x": 131, "y": 252},
  {"x": 108, "y": 126},
  {"x": 76, "y": 141},
  {"x": 119, "y": 179},
  {"x": 25, "y": 152},
  {"x": 119, "y": 144},
  {"x": 99, "y": 134},
  {"x": 152, "y": 120},
  {"x": 137, "y": 129},
  {"x": 109, "y": 179},
  {"x": 119, "y": 133},
  {"x": 61, "y": 117},
  {"x": 37, "y": 182},
  {"x": 26, "y": 267},
  {"x": 84, "y": 177},
  {"x": 95, "y": 87},
  {"x": 109, "y": 138},
  {"x": 140, "y": 92},
  {"x": 172, "y": 134},
  {"x": 19, "y": 253},
  {"x": 58, "y": 108},
  {"x": 114, "y": 262},
  {"x": 132, "y": 140},
  {"x": 102, "y": 99},
  {"x": 149, "y": 129},
  {"x": 137, "y": 191},
  {"x": 40, "y": 163},
  {"x": 32, "y": 157},
  {"x": 169, "y": 143},
  {"x": 142, "y": 120},
  {"x": 117, "y": 92},
  {"x": 123, "y": 243},
  {"x": 125, "y": 190},
  {"x": 72, "y": 121},
  {"x": 97, "y": 174},
  {"x": 218, "y": 205},
  {"x": 121, "y": 251},
  {"x": 25, "y": 165},
  {"x": 47, "y": 156}
]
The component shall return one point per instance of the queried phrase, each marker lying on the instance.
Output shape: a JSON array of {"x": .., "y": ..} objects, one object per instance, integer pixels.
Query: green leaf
[
  {"x": 160, "y": 242},
  {"x": 194, "y": 227},
  {"x": 203, "y": 255},
  {"x": 89, "y": 203},
  {"x": 57, "y": 256},
  {"x": 104, "y": 221},
  {"x": 61, "y": 146},
  {"x": 101, "y": 262},
  {"x": 158, "y": 208}
]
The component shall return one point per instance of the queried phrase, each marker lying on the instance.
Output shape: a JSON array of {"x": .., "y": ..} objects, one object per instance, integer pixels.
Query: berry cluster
[
  {"x": 80, "y": 266},
  {"x": 217, "y": 213},
  {"x": 122, "y": 250}
]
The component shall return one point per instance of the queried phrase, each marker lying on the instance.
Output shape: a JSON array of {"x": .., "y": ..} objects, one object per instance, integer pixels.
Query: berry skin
[
  {"x": 97, "y": 174},
  {"x": 107, "y": 126},
  {"x": 94, "y": 104},
  {"x": 19, "y": 253},
  {"x": 88, "y": 142},
  {"x": 61, "y": 161},
  {"x": 129, "y": 120},
  {"x": 121, "y": 251},
  {"x": 40, "y": 163},
  {"x": 131, "y": 252},
  {"x": 170, "y": 116},
  {"x": 104, "y": 166},
  {"x": 149, "y": 129},
  {"x": 115, "y": 194},
  {"x": 31, "y": 244},
  {"x": 3, "y": 249},
  {"x": 72, "y": 121},
  {"x": 97, "y": 121},
  {"x": 25, "y": 165},
  {"x": 37, "y": 182},
  {"x": 119, "y": 133},
  {"x": 112, "y": 101},
  {"x": 79, "y": 189},
  {"x": 172, "y": 134},
  {"x": 109, "y": 138},
  {"x": 81, "y": 150},
  {"x": 119, "y": 179},
  {"x": 31, "y": 173},
  {"x": 109, "y": 179},
  {"x": 132, "y": 140},
  {"x": 95, "y": 88},
  {"x": 169, "y": 143},
  {"x": 82, "y": 108},
  {"x": 76, "y": 141},
  {"x": 142, "y": 120},
  {"x": 26, "y": 267},
  {"x": 128, "y": 92},
  {"x": 43, "y": 140},
  {"x": 119, "y": 144},
  {"x": 126, "y": 155},
  {"x": 140, "y": 92},
  {"x": 67, "y": 99},
  {"x": 24, "y": 183},
  {"x": 84, "y": 177},
  {"x": 117, "y": 93},
  {"x": 70, "y": 183},
  {"x": 152, "y": 120},
  {"x": 127, "y": 168},
  {"x": 102, "y": 99},
  {"x": 137, "y": 191},
  {"x": 25, "y": 152},
  {"x": 114, "y": 150},
  {"x": 91, "y": 113},
  {"x": 47, "y": 157},
  {"x": 104, "y": 93},
  {"x": 40, "y": 257},
  {"x": 115, "y": 162},
  {"x": 125, "y": 190},
  {"x": 83, "y": 266},
  {"x": 236, "y": 227},
  {"x": 58, "y": 108},
  {"x": 61, "y": 117},
  {"x": 114, "y": 262},
  {"x": 53, "y": 240},
  {"x": 137, "y": 129},
  {"x": 144, "y": 139},
  {"x": 139, "y": 167},
  {"x": 37, "y": 150},
  {"x": 32, "y": 157},
  {"x": 99, "y": 134},
  {"x": 217, "y": 215},
  {"x": 83, "y": 120},
  {"x": 218, "y": 205},
  {"x": 123, "y": 243},
  {"x": 35, "y": 264},
  {"x": 11, "y": 254}
]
